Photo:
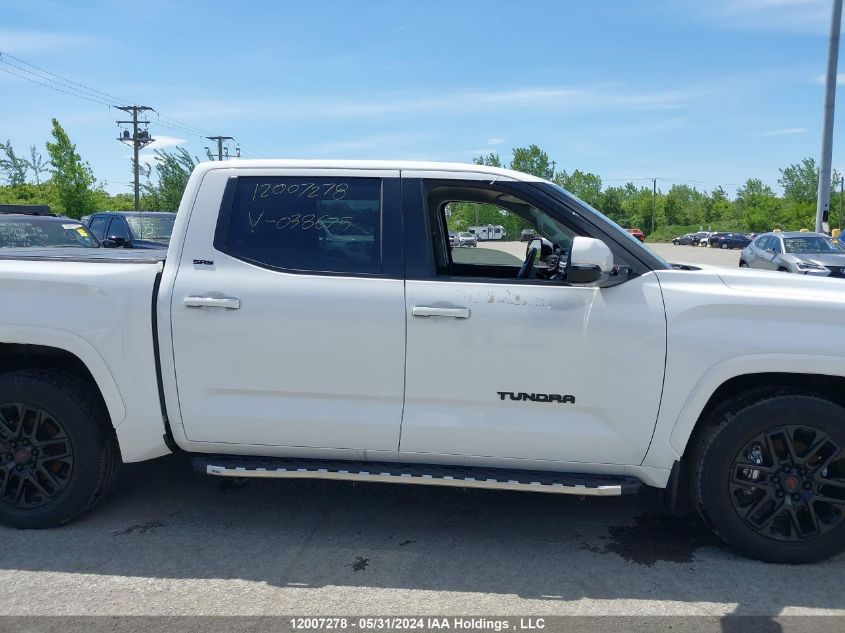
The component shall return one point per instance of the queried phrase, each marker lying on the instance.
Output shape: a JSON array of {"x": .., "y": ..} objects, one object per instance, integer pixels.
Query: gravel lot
[{"x": 173, "y": 541}]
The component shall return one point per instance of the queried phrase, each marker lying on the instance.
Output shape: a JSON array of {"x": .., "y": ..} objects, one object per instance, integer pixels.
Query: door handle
[
  {"x": 211, "y": 301},
  {"x": 454, "y": 313}
]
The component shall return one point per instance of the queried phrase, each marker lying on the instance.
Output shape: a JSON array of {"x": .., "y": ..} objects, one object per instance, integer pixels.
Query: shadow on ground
[{"x": 166, "y": 521}]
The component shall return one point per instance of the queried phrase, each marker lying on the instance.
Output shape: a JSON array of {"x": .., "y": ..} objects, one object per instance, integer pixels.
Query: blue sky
[{"x": 704, "y": 92}]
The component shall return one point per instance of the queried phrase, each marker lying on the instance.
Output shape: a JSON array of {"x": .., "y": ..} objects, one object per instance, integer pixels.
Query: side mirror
[
  {"x": 589, "y": 260},
  {"x": 117, "y": 242}
]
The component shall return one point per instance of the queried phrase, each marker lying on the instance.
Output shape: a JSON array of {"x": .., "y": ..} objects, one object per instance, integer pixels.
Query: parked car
[
  {"x": 527, "y": 235},
  {"x": 684, "y": 240},
  {"x": 43, "y": 231},
  {"x": 128, "y": 229},
  {"x": 26, "y": 209},
  {"x": 712, "y": 237},
  {"x": 593, "y": 367},
  {"x": 466, "y": 238},
  {"x": 453, "y": 238},
  {"x": 637, "y": 233},
  {"x": 703, "y": 238},
  {"x": 731, "y": 240},
  {"x": 799, "y": 252}
]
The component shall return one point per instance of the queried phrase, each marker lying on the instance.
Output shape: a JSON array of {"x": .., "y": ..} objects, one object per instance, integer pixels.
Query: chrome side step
[{"x": 421, "y": 474}]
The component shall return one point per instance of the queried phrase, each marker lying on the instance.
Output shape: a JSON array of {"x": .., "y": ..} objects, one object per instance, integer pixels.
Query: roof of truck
[{"x": 366, "y": 164}]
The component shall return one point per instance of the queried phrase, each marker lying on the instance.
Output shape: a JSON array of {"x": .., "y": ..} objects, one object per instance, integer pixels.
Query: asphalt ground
[{"x": 171, "y": 541}]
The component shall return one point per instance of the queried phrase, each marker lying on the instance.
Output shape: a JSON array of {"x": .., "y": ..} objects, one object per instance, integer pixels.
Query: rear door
[{"x": 290, "y": 330}]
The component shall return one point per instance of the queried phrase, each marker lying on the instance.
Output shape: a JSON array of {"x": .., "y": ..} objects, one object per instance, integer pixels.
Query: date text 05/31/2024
[{"x": 417, "y": 623}]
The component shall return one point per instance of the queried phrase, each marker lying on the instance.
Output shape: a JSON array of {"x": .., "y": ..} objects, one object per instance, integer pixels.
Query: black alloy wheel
[{"x": 36, "y": 456}]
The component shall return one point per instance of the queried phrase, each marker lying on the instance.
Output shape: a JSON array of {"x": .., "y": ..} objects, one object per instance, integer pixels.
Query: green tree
[
  {"x": 37, "y": 164},
  {"x": 73, "y": 179},
  {"x": 581, "y": 184},
  {"x": 756, "y": 208},
  {"x": 533, "y": 160},
  {"x": 173, "y": 170},
  {"x": 13, "y": 167},
  {"x": 490, "y": 160}
]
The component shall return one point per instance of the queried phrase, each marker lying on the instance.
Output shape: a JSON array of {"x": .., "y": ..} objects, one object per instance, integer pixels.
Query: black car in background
[
  {"x": 129, "y": 229},
  {"x": 730, "y": 240},
  {"x": 685, "y": 240},
  {"x": 37, "y": 230}
]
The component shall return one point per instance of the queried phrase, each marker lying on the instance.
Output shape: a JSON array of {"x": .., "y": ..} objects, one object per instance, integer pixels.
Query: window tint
[
  {"x": 307, "y": 223},
  {"x": 118, "y": 228},
  {"x": 98, "y": 227}
]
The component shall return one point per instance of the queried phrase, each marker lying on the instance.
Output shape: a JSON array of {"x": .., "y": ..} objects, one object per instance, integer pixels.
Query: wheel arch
[
  {"x": 65, "y": 351},
  {"x": 822, "y": 376}
]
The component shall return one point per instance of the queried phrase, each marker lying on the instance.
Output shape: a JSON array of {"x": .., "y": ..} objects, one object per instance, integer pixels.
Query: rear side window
[
  {"x": 98, "y": 227},
  {"x": 306, "y": 224}
]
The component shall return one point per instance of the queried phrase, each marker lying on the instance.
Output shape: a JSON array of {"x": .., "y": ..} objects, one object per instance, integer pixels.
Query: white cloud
[
  {"x": 370, "y": 142},
  {"x": 25, "y": 42},
  {"x": 495, "y": 141},
  {"x": 162, "y": 140},
  {"x": 840, "y": 79},
  {"x": 600, "y": 97},
  {"x": 784, "y": 131}
]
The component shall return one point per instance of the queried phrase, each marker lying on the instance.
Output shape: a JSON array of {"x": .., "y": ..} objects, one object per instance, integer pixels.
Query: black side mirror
[
  {"x": 582, "y": 274},
  {"x": 117, "y": 241}
]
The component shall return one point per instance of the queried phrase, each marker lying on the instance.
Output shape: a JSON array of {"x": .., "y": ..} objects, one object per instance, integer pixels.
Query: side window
[
  {"x": 306, "y": 224},
  {"x": 98, "y": 227},
  {"x": 774, "y": 244},
  {"x": 477, "y": 231},
  {"x": 118, "y": 228}
]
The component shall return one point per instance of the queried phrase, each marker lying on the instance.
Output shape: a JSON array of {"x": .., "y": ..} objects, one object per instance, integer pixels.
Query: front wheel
[
  {"x": 724, "y": 245},
  {"x": 768, "y": 476},
  {"x": 742, "y": 264},
  {"x": 58, "y": 455}
]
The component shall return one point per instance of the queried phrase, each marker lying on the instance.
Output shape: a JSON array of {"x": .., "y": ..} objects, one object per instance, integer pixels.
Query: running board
[{"x": 422, "y": 474}]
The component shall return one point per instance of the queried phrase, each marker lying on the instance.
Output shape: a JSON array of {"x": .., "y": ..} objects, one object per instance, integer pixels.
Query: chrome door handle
[
  {"x": 426, "y": 311},
  {"x": 211, "y": 301}
]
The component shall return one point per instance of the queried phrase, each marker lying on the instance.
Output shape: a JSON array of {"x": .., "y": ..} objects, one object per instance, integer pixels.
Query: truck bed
[{"x": 75, "y": 254}]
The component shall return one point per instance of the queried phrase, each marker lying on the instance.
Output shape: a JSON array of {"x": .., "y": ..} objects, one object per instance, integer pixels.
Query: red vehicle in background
[{"x": 637, "y": 233}]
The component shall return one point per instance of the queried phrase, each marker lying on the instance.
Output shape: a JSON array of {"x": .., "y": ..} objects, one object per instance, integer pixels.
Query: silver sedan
[{"x": 795, "y": 252}]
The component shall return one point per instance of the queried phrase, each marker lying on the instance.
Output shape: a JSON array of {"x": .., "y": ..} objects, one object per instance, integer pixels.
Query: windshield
[
  {"x": 621, "y": 231},
  {"x": 812, "y": 244},
  {"x": 45, "y": 234},
  {"x": 152, "y": 227}
]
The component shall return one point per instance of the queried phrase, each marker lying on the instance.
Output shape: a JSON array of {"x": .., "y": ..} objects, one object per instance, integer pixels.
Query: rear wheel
[
  {"x": 724, "y": 245},
  {"x": 769, "y": 477},
  {"x": 58, "y": 455},
  {"x": 742, "y": 264}
]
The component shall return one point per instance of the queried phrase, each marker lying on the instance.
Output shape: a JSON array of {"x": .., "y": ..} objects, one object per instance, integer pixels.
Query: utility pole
[
  {"x": 653, "y": 202},
  {"x": 138, "y": 140},
  {"x": 220, "y": 140},
  {"x": 823, "y": 201}
]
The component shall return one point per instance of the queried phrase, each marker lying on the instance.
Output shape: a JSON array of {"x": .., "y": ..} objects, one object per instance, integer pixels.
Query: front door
[
  {"x": 291, "y": 330},
  {"x": 530, "y": 369}
]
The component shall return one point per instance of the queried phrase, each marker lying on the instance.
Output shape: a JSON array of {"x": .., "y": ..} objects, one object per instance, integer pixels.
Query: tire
[
  {"x": 723, "y": 245},
  {"x": 742, "y": 264},
  {"x": 58, "y": 453},
  {"x": 783, "y": 270},
  {"x": 787, "y": 513},
  {"x": 675, "y": 242}
]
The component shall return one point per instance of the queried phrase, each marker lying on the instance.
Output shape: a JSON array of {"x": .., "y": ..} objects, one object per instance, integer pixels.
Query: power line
[
  {"x": 58, "y": 83},
  {"x": 64, "y": 79}
]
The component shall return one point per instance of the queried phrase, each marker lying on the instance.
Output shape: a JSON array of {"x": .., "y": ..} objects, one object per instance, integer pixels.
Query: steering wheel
[{"x": 528, "y": 265}]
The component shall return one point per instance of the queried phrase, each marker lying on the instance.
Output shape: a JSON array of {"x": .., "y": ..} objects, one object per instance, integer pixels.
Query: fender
[
  {"x": 672, "y": 432},
  {"x": 79, "y": 347}
]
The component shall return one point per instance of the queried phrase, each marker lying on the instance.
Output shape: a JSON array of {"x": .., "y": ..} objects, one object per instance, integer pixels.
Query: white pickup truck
[{"x": 309, "y": 320}]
